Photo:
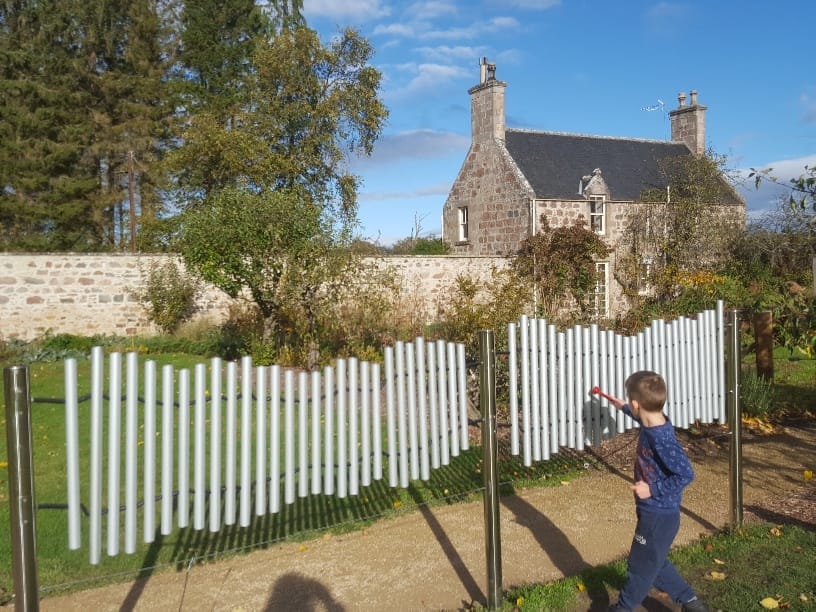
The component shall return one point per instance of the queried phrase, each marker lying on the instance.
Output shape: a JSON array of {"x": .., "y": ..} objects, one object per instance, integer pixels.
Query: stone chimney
[
  {"x": 688, "y": 123},
  {"x": 487, "y": 105}
]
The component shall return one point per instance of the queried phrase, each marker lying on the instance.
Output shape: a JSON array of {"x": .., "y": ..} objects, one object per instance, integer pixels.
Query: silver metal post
[
  {"x": 487, "y": 404},
  {"x": 21, "y": 485},
  {"x": 734, "y": 414}
]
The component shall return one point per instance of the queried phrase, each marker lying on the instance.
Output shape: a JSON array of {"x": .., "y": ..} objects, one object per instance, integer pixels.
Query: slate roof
[{"x": 554, "y": 162}]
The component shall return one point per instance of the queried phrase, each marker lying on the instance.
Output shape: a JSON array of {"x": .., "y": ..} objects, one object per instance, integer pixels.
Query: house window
[
  {"x": 597, "y": 214},
  {"x": 600, "y": 297},
  {"x": 463, "y": 224}
]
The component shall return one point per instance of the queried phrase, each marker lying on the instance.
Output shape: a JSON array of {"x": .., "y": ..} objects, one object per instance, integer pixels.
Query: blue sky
[{"x": 581, "y": 66}]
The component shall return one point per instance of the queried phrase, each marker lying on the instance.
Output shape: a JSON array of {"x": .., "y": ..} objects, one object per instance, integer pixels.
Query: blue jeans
[{"x": 648, "y": 562}]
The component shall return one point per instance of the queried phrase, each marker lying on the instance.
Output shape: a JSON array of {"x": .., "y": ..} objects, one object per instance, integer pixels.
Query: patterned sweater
[{"x": 663, "y": 464}]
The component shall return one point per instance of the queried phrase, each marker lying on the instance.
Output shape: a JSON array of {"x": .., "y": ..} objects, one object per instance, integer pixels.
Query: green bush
[
  {"x": 168, "y": 295},
  {"x": 756, "y": 395}
]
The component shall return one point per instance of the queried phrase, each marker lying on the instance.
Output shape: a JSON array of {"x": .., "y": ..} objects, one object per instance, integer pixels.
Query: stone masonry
[{"x": 94, "y": 294}]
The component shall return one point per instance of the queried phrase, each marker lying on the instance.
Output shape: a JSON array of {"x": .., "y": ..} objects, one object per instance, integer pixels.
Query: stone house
[{"x": 511, "y": 177}]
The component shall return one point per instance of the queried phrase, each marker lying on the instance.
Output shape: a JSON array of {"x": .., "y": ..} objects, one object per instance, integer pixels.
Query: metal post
[
  {"x": 21, "y": 485},
  {"x": 734, "y": 415},
  {"x": 487, "y": 404}
]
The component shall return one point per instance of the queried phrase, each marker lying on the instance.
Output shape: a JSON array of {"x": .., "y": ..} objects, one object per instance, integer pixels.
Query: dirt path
[{"x": 434, "y": 559}]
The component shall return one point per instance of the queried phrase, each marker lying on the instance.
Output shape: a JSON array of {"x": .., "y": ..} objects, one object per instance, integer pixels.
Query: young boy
[{"x": 662, "y": 471}]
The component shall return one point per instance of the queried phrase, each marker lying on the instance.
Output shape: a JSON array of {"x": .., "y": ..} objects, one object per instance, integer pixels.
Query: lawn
[
  {"x": 61, "y": 569},
  {"x": 733, "y": 570}
]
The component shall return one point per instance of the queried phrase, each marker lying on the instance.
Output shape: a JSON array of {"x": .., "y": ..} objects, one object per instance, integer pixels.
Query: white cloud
[
  {"x": 423, "y": 30},
  {"x": 427, "y": 77},
  {"x": 357, "y": 10},
  {"x": 395, "y": 29},
  {"x": 528, "y": 4},
  {"x": 415, "y": 144},
  {"x": 430, "y": 9},
  {"x": 809, "y": 108},
  {"x": 444, "y": 52},
  {"x": 421, "y": 192},
  {"x": 473, "y": 30},
  {"x": 666, "y": 19},
  {"x": 767, "y": 197}
]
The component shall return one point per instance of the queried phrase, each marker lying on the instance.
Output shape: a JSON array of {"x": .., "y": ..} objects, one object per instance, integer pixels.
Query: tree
[
  {"x": 271, "y": 199},
  {"x": 561, "y": 263},
  {"x": 45, "y": 178},
  {"x": 684, "y": 228},
  {"x": 300, "y": 111},
  {"x": 82, "y": 90},
  {"x": 802, "y": 189},
  {"x": 273, "y": 247}
]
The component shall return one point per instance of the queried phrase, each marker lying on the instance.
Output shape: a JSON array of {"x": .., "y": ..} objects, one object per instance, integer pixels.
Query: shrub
[
  {"x": 168, "y": 295},
  {"x": 756, "y": 395}
]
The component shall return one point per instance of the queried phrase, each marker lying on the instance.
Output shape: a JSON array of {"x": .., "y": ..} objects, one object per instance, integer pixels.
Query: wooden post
[{"x": 763, "y": 332}]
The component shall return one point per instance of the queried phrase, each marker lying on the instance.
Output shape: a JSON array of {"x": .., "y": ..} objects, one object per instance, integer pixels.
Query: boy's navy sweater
[{"x": 663, "y": 464}]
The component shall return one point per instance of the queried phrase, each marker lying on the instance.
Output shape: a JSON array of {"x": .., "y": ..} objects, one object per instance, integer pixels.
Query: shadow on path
[
  {"x": 297, "y": 593},
  {"x": 468, "y": 581},
  {"x": 148, "y": 565}
]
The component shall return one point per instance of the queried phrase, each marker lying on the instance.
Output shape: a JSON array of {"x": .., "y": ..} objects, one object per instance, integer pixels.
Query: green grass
[
  {"x": 59, "y": 568},
  {"x": 65, "y": 570},
  {"x": 757, "y": 561}
]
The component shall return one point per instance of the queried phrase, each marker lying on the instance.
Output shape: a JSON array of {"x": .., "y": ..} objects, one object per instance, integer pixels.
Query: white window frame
[
  {"x": 600, "y": 295},
  {"x": 644, "y": 272},
  {"x": 463, "y": 224},
  {"x": 596, "y": 216}
]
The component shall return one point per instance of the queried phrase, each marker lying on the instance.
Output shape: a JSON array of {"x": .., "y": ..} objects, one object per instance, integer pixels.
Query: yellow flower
[
  {"x": 808, "y": 474},
  {"x": 397, "y": 504},
  {"x": 581, "y": 587},
  {"x": 3, "y": 464},
  {"x": 519, "y": 601}
]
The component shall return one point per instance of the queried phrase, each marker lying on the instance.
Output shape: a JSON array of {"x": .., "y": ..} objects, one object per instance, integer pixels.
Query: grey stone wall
[
  {"x": 94, "y": 294},
  {"x": 498, "y": 203}
]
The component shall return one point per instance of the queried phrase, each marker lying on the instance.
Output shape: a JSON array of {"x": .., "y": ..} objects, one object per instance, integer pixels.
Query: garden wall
[{"x": 93, "y": 294}]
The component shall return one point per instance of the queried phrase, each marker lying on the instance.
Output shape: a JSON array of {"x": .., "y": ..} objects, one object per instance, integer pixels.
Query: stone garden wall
[{"x": 94, "y": 294}]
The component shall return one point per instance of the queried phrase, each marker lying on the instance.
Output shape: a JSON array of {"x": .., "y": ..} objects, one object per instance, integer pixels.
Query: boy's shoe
[
  {"x": 695, "y": 605},
  {"x": 616, "y": 607}
]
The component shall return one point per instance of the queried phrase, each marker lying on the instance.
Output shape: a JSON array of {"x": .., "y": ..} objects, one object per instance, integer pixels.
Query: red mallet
[{"x": 596, "y": 390}]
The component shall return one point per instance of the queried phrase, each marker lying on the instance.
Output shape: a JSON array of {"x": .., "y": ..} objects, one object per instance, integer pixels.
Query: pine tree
[
  {"x": 46, "y": 179},
  {"x": 81, "y": 89}
]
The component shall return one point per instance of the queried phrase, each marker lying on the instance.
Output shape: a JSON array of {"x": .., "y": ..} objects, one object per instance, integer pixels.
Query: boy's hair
[{"x": 648, "y": 389}]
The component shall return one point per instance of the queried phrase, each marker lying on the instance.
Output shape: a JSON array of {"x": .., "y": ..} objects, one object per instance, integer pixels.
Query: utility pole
[{"x": 132, "y": 203}]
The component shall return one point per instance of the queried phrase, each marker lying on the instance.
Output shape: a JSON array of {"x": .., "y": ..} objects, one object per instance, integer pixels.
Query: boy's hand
[
  {"x": 617, "y": 402},
  {"x": 641, "y": 489}
]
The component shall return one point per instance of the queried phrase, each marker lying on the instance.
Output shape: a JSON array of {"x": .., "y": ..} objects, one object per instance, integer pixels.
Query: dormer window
[{"x": 597, "y": 214}]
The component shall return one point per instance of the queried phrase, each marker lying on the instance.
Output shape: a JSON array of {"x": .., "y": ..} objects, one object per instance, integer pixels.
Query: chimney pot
[
  {"x": 693, "y": 94},
  {"x": 482, "y": 70},
  {"x": 491, "y": 71},
  {"x": 681, "y": 99}
]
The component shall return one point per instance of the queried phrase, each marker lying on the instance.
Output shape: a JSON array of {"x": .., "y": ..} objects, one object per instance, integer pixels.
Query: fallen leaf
[
  {"x": 715, "y": 575},
  {"x": 769, "y": 603},
  {"x": 718, "y": 562},
  {"x": 776, "y": 531},
  {"x": 808, "y": 474},
  {"x": 302, "y": 548},
  {"x": 803, "y": 598}
]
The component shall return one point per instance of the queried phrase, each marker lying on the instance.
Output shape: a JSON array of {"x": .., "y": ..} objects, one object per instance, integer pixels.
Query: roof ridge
[{"x": 577, "y": 135}]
